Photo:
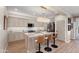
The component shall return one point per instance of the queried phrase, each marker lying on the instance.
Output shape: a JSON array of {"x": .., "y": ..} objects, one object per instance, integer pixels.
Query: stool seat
[{"x": 39, "y": 40}]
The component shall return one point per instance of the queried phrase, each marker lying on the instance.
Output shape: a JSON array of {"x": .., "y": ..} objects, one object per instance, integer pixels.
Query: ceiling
[
  {"x": 35, "y": 11},
  {"x": 72, "y": 10},
  {"x": 50, "y": 12}
]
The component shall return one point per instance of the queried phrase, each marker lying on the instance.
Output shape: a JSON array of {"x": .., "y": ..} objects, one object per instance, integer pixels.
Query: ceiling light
[{"x": 43, "y": 19}]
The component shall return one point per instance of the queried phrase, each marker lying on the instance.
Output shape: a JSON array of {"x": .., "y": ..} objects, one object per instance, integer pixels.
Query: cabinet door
[
  {"x": 13, "y": 36},
  {"x": 19, "y": 36}
]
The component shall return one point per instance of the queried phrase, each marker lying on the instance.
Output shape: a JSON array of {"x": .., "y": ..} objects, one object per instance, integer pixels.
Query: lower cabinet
[{"x": 13, "y": 36}]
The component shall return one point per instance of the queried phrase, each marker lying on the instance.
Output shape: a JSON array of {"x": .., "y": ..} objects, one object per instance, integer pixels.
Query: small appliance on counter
[{"x": 30, "y": 27}]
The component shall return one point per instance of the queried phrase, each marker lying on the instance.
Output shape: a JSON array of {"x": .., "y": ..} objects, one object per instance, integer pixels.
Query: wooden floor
[
  {"x": 19, "y": 47},
  {"x": 16, "y": 46}
]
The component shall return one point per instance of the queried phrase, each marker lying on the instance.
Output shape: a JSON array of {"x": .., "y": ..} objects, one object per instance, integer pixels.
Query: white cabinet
[{"x": 13, "y": 36}]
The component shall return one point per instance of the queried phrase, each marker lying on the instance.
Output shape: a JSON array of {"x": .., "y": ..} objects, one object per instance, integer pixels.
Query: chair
[
  {"x": 39, "y": 40},
  {"x": 48, "y": 38}
]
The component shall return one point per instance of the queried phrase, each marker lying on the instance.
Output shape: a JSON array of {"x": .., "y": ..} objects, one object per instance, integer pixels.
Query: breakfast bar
[{"x": 31, "y": 37}]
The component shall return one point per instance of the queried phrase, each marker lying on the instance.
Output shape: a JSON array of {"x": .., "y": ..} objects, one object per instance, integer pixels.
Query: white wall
[
  {"x": 74, "y": 31},
  {"x": 76, "y": 28},
  {"x": 3, "y": 11},
  {"x": 1, "y": 16},
  {"x": 3, "y": 41},
  {"x": 3, "y": 33},
  {"x": 62, "y": 28}
]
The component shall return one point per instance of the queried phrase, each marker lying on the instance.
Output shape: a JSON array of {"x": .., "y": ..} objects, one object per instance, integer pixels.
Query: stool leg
[
  {"x": 54, "y": 45},
  {"x": 39, "y": 49},
  {"x": 48, "y": 49},
  {"x": 47, "y": 43}
]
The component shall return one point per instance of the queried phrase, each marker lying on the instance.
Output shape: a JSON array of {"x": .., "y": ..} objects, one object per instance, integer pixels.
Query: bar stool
[
  {"x": 39, "y": 40},
  {"x": 54, "y": 37},
  {"x": 48, "y": 49}
]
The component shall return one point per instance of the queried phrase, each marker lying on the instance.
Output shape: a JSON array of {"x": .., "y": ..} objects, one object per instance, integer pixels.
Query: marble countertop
[{"x": 34, "y": 34}]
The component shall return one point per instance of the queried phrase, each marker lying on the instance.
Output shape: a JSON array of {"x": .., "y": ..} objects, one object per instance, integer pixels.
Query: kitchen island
[{"x": 31, "y": 37}]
